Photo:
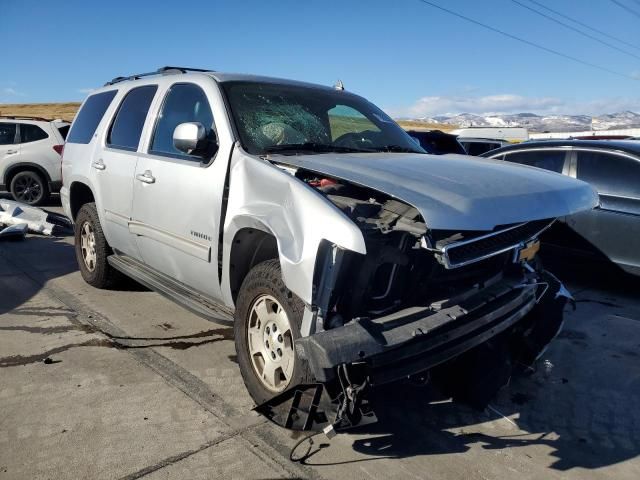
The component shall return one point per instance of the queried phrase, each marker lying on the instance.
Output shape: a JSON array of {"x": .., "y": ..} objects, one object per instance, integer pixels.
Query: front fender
[{"x": 267, "y": 198}]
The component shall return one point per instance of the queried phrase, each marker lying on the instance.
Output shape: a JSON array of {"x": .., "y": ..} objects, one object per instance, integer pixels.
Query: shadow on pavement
[
  {"x": 586, "y": 409},
  {"x": 408, "y": 426}
]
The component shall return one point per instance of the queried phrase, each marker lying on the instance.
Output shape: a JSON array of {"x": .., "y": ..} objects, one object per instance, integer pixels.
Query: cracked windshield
[{"x": 286, "y": 119}]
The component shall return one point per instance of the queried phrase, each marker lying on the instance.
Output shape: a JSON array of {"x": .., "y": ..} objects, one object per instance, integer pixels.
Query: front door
[
  {"x": 178, "y": 197},
  {"x": 9, "y": 148}
]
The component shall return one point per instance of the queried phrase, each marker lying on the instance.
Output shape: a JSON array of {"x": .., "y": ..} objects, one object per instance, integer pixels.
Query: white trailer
[{"x": 510, "y": 134}]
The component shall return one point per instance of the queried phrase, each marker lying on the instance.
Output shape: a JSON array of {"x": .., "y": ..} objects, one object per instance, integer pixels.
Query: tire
[
  {"x": 264, "y": 282},
  {"x": 92, "y": 256},
  {"x": 29, "y": 187}
]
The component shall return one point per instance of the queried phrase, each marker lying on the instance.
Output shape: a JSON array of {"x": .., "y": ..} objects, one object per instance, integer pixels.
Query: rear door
[
  {"x": 9, "y": 147},
  {"x": 178, "y": 197},
  {"x": 613, "y": 228},
  {"x": 115, "y": 166}
]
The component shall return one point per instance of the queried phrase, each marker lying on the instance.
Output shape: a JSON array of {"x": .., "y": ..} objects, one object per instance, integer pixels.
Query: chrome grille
[{"x": 461, "y": 253}]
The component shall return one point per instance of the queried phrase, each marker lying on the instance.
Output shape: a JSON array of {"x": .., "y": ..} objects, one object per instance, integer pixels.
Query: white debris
[
  {"x": 36, "y": 219},
  {"x": 14, "y": 232}
]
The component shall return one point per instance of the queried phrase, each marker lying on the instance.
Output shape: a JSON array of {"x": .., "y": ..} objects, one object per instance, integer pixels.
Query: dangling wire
[{"x": 308, "y": 453}]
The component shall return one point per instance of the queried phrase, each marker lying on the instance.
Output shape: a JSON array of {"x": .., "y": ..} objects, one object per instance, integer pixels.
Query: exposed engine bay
[
  {"x": 439, "y": 300},
  {"x": 404, "y": 265}
]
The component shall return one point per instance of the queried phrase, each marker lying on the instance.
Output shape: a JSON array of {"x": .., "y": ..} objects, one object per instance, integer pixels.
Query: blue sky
[{"x": 405, "y": 56}]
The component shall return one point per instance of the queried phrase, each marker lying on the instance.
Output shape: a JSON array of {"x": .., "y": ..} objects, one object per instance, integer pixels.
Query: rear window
[
  {"x": 552, "y": 160},
  {"x": 127, "y": 126},
  {"x": 7, "y": 133},
  {"x": 31, "y": 133},
  {"x": 89, "y": 117},
  {"x": 64, "y": 131}
]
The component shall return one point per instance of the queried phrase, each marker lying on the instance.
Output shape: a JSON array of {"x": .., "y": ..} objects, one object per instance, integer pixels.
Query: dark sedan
[
  {"x": 437, "y": 142},
  {"x": 612, "y": 167}
]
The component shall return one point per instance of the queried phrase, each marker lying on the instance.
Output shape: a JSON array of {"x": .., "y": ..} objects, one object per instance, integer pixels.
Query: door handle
[
  {"x": 146, "y": 177},
  {"x": 99, "y": 165},
  {"x": 9, "y": 152}
]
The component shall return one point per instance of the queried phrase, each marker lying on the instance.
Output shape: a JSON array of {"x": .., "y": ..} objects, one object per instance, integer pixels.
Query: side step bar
[{"x": 181, "y": 294}]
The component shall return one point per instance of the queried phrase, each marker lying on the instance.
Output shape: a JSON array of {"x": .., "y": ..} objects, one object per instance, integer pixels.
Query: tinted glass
[
  {"x": 478, "y": 148},
  {"x": 612, "y": 174},
  {"x": 548, "y": 159},
  {"x": 127, "y": 126},
  {"x": 271, "y": 115},
  {"x": 31, "y": 133},
  {"x": 64, "y": 130},
  {"x": 89, "y": 116},
  {"x": 7, "y": 133},
  {"x": 184, "y": 102}
]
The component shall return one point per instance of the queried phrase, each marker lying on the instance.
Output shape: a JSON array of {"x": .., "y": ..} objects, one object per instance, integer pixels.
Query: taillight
[{"x": 60, "y": 150}]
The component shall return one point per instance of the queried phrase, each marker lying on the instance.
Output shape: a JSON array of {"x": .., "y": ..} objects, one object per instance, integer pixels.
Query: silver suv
[
  {"x": 30, "y": 150},
  {"x": 344, "y": 255}
]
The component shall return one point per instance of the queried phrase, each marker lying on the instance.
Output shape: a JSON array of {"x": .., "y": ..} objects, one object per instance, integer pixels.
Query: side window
[
  {"x": 89, "y": 116},
  {"x": 612, "y": 174},
  {"x": 127, "y": 126},
  {"x": 552, "y": 160},
  {"x": 184, "y": 102},
  {"x": 7, "y": 133},
  {"x": 64, "y": 131},
  {"x": 343, "y": 119},
  {"x": 31, "y": 133}
]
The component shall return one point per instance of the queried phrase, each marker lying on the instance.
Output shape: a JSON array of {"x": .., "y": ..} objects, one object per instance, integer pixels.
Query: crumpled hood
[{"x": 457, "y": 192}]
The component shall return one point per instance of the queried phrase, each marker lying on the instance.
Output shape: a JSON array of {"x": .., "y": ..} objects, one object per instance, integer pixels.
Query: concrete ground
[{"x": 125, "y": 384}]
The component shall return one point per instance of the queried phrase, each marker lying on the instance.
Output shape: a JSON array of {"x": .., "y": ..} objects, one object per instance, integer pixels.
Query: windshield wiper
[
  {"x": 313, "y": 147},
  {"x": 396, "y": 148}
]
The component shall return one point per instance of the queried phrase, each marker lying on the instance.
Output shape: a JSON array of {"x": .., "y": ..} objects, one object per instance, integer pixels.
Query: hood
[{"x": 457, "y": 192}]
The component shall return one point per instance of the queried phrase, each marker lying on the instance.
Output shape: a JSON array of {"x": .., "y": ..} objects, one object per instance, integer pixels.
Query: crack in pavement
[
  {"x": 166, "y": 462},
  {"x": 263, "y": 443}
]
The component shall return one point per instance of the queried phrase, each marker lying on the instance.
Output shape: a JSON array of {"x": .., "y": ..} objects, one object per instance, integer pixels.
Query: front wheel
[{"x": 267, "y": 324}]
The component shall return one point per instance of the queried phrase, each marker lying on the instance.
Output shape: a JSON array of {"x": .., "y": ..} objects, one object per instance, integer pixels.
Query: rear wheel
[
  {"x": 29, "y": 187},
  {"x": 267, "y": 324},
  {"x": 92, "y": 249}
]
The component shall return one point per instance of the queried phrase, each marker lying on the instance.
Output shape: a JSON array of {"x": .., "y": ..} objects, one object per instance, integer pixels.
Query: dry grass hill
[{"x": 66, "y": 111}]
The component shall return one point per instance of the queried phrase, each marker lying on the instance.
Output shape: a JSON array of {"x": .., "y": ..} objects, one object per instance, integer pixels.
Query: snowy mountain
[{"x": 539, "y": 123}]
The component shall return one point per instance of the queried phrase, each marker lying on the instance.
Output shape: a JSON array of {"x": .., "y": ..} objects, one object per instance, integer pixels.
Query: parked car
[
  {"x": 612, "y": 167},
  {"x": 479, "y": 146},
  {"x": 602, "y": 137},
  {"x": 344, "y": 255},
  {"x": 437, "y": 142},
  {"x": 30, "y": 157}
]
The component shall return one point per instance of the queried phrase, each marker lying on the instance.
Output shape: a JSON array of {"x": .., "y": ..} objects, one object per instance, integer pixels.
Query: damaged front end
[{"x": 419, "y": 300}]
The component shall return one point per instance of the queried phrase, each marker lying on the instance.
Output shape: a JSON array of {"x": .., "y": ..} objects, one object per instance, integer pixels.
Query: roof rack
[
  {"x": 161, "y": 71},
  {"x": 26, "y": 117}
]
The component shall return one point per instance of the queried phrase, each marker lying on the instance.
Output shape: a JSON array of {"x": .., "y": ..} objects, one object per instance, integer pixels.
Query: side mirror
[{"x": 191, "y": 138}]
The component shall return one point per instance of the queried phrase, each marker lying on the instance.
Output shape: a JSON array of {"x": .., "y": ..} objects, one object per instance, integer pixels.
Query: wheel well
[
  {"x": 79, "y": 194},
  {"x": 24, "y": 167},
  {"x": 250, "y": 247}
]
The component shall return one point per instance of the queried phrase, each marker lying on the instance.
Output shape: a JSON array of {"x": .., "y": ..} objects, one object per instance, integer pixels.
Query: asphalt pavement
[{"x": 125, "y": 384}]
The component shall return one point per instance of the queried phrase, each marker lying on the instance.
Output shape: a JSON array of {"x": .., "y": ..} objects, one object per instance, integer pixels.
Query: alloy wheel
[
  {"x": 28, "y": 189},
  {"x": 88, "y": 246},
  {"x": 270, "y": 342}
]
